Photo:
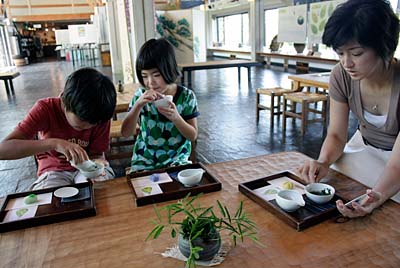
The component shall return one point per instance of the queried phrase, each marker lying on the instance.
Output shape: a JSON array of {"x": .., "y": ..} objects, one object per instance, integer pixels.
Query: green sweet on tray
[{"x": 30, "y": 199}]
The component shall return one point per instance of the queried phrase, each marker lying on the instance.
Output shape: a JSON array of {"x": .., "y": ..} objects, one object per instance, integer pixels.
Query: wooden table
[
  {"x": 318, "y": 80},
  {"x": 124, "y": 98},
  {"x": 7, "y": 75},
  {"x": 189, "y": 67},
  {"x": 116, "y": 236},
  {"x": 295, "y": 57}
]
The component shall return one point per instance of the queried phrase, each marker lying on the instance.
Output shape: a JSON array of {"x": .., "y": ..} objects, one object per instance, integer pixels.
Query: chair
[
  {"x": 116, "y": 136},
  {"x": 304, "y": 98},
  {"x": 274, "y": 107}
]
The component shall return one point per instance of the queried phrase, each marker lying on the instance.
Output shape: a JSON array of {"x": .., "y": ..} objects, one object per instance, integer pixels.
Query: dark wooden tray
[
  {"x": 56, "y": 211},
  {"x": 311, "y": 214},
  {"x": 175, "y": 190}
]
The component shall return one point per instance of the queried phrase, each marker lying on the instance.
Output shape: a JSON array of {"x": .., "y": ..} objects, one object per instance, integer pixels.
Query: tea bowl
[
  {"x": 319, "y": 192},
  {"x": 164, "y": 102},
  {"x": 191, "y": 177},
  {"x": 289, "y": 200}
]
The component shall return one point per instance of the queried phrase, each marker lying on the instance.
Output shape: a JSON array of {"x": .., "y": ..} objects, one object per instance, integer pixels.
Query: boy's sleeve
[
  {"x": 36, "y": 120},
  {"x": 190, "y": 110},
  {"x": 100, "y": 139}
]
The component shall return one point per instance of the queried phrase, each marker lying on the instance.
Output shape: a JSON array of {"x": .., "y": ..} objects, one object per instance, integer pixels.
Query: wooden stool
[
  {"x": 304, "y": 98},
  {"x": 115, "y": 134},
  {"x": 272, "y": 93}
]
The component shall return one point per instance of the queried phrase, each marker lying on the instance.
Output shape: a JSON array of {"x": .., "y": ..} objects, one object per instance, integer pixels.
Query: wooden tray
[
  {"x": 175, "y": 190},
  {"x": 56, "y": 211},
  {"x": 311, "y": 214}
]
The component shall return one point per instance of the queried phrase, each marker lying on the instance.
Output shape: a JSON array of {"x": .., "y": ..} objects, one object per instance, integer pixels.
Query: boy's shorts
[{"x": 62, "y": 178}]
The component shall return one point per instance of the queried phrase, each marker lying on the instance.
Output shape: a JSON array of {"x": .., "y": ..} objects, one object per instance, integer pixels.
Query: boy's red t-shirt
[{"x": 47, "y": 119}]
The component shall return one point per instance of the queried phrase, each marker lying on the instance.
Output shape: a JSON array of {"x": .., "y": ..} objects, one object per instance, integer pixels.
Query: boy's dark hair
[
  {"x": 160, "y": 54},
  {"x": 372, "y": 23},
  {"x": 90, "y": 95}
]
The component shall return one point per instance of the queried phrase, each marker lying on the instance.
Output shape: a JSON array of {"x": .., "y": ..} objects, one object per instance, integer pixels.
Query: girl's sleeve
[{"x": 190, "y": 110}]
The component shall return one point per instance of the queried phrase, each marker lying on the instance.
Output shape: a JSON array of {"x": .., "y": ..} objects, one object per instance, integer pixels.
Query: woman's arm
[
  {"x": 388, "y": 185},
  {"x": 333, "y": 145}
]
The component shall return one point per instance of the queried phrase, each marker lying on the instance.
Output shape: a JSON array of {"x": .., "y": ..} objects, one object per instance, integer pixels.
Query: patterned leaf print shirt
[{"x": 159, "y": 144}]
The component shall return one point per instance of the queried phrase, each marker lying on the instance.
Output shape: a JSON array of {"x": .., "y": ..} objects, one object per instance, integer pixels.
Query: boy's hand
[
  {"x": 169, "y": 112},
  {"x": 73, "y": 152}
]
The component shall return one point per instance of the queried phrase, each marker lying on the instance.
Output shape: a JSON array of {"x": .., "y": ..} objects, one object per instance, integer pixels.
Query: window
[
  {"x": 271, "y": 20},
  {"x": 227, "y": 33},
  {"x": 5, "y": 54}
]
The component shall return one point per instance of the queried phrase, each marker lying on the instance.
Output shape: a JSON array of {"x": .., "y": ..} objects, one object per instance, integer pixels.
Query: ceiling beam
[{"x": 53, "y": 17}]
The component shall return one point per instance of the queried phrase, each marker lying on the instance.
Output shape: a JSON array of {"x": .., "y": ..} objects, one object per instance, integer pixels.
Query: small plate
[{"x": 65, "y": 192}]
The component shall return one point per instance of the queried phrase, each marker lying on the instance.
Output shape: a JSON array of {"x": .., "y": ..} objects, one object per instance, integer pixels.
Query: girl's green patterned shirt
[{"x": 159, "y": 144}]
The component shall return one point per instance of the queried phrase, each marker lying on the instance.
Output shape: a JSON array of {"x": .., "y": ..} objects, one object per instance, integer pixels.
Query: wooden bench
[
  {"x": 7, "y": 76},
  {"x": 189, "y": 67}
]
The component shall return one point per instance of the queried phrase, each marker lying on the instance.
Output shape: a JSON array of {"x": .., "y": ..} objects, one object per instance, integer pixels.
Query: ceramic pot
[
  {"x": 299, "y": 47},
  {"x": 210, "y": 246}
]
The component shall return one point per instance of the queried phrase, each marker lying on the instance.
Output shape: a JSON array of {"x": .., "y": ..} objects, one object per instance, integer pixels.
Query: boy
[{"x": 72, "y": 127}]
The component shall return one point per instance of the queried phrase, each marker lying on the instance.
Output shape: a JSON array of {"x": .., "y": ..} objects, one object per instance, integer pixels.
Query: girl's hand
[
  {"x": 313, "y": 171},
  {"x": 73, "y": 152},
  {"x": 149, "y": 96},
  {"x": 358, "y": 210},
  {"x": 169, "y": 112}
]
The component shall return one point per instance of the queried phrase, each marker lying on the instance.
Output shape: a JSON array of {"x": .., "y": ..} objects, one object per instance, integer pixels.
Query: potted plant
[{"x": 199, "y": 227}]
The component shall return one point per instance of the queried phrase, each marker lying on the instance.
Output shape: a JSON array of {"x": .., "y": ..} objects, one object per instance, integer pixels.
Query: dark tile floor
[{"x": 227, "y": 124}]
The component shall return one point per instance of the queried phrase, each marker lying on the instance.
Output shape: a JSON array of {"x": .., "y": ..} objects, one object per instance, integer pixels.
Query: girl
[{"x": 165, "y": 132}]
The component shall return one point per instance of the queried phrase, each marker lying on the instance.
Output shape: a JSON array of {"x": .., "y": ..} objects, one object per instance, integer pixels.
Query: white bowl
[
  {"x": 164, "y": 102},
  {"x": 313, "y": 189},
  {"x": 191, "y": 177},
  {"x": 289, "y": 200},
  {"x": 90, "y": 169}
]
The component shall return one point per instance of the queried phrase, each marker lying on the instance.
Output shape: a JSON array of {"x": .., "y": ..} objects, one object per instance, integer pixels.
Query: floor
[{"x": 227, "y": 123}]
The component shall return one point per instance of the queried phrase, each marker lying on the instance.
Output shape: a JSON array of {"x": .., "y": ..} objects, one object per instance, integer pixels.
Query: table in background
[
  {"x": 189, "y": 67},
  {"x": 295, "y": 57},
  {"x": 7, "y": 75},
  {"x": 116, "y": 236},
  {"x": 317, "y": 80},
  {"x": 124, "y": 98}
]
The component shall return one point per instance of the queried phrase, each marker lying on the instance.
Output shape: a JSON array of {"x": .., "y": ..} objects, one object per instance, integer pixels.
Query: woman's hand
[
  {"x": 313, "y": 171},
  {"x": 169, "y": 112},
  {"x": 73, "y": 152},
  {"x": 372, "y": 201}
]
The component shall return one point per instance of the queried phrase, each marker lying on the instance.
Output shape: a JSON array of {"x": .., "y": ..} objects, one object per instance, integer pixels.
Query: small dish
[
  {"x": 164, "y": 102},
  {"x": 65, "y": 192},
  {"x": 191, "y": 177},
  {"x": 319, "y": 193},
  {"x": 289, "y": 200}
]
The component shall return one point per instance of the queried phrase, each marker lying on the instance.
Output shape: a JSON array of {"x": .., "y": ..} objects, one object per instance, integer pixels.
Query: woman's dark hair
[
  {"x": 372, "y": 23},
  {"x": 160, "y": 54},
  {"x": 90, "y": 95}
]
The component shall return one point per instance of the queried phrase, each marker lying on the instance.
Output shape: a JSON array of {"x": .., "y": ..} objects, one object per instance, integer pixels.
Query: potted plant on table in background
[{"x": 199, "y": 227}]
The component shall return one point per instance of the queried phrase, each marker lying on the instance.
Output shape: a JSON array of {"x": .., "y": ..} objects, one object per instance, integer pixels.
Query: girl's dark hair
[
  {"x": 372, "y": 23},
  {"x": 160, "y": 54},
  {"x": 90, "y": 95}
]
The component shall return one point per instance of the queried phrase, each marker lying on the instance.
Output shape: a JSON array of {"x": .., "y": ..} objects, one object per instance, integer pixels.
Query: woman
[{"x": 364, "y": 33}]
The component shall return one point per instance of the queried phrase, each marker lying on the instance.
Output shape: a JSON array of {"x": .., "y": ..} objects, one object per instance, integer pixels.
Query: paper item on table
[
  {"x": 42, "y": 199},
  {"x": 147, "y": 189},
  {"x": 267, "y": 192},
  {"x": 162, "y": 178},
  {"x": 20, "y": 213},
  {"x": 280, "y": 181}
]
